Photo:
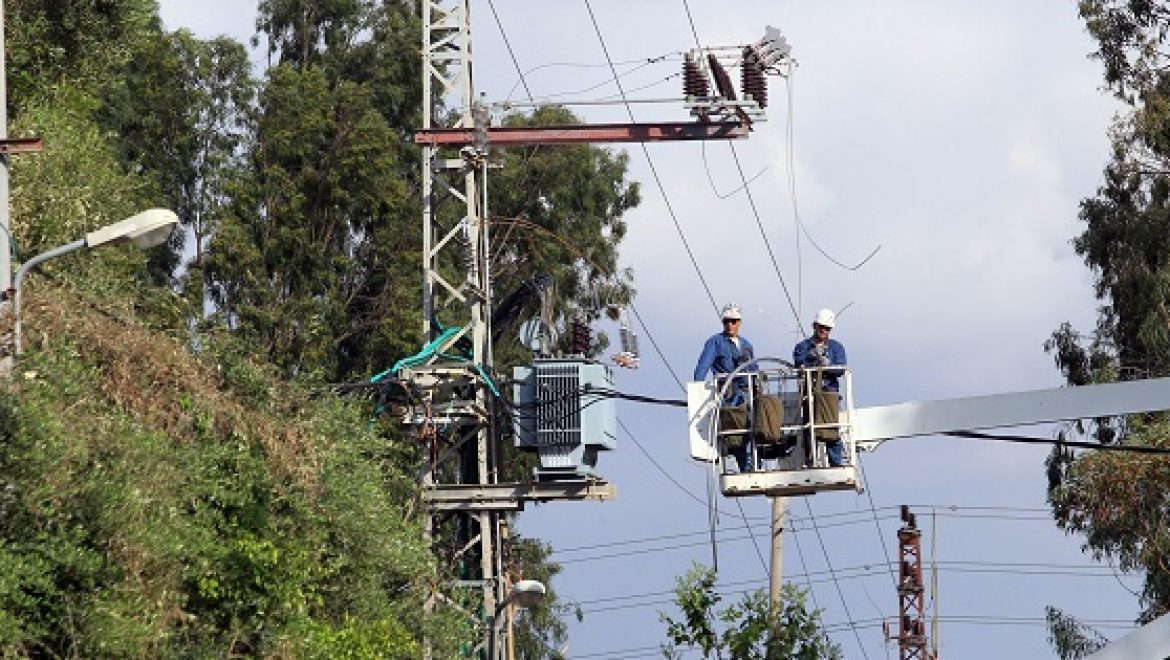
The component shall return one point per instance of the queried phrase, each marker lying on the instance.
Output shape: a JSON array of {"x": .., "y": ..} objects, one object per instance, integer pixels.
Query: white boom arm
[
  {"x": 1146, "y": 643},
  {"x": 877, "y": 423}
]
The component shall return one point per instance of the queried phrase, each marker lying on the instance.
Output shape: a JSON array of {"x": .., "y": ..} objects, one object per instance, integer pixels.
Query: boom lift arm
[
  {"x": 875, "y": 424},
  {"x": 866, "y": 428}
]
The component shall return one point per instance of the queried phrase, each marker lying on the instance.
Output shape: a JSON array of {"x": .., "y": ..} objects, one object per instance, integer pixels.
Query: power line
[
  {"x": 508, "y": 45},
  {"x": 861, "y": 572},
  {"x": 747, "y": 190},
  {"x": 798, "y": 522},
  {"x": 977, "y": 620},
  {"x": 1137, "y": 449},
  {"x": 878, "y": 527},
  {"x": 833, "y": 576},
  {"x": 641, "y": 63},
  {"x": 650, "y": 161},
  {"x": 657, "y": 466},
  {"x": 657, "y": 349}
]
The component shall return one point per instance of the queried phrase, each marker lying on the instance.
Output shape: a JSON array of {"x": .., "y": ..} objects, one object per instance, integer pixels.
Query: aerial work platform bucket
[{"x": 785, "y": 420}]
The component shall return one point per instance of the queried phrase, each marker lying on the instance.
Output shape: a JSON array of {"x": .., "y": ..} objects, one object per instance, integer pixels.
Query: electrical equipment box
[{"x": 565, "y": 412}]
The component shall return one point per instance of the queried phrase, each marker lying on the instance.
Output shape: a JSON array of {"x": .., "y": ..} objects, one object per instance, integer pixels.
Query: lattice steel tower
[
  {"x": 913, "y": 643},
  {"x": 457, "y": 286}
]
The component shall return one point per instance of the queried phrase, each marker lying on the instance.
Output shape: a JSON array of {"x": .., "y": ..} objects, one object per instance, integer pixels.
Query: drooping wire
[
  {"x": 659, "y": 467},
  {"x": 792, "y": 194},
  {"x": 767, "y": 244},
  {"x": 641, "y": 63},
  {"x": 650, "y": 161},
  {"x": 639, "y": 88},
  {"x": 669, "y": 208},
  {"x": 560, "y": 97},
  {"x": 711, "y": 179}
]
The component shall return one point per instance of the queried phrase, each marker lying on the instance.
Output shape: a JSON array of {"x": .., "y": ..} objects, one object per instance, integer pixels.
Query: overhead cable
[
  {"x": 1136, "y": 449},
  {"x": 650, "y": 161}
]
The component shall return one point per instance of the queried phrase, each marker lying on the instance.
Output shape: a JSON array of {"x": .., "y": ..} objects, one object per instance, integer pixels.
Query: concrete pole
[
  {"x": 7, "y": 358},
  {"x": 779, "y": 512}
]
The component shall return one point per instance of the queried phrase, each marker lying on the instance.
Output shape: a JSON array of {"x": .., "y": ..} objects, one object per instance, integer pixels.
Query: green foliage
[
  {"x": 1129, "y": 36},
  {"x": 214, "y": 537},
  {"x": 1118, "y": 503},
  {"x": 77, "y": 184},
  {"x": 541, "y": 630},
  {"x": 57, "y": 45},
  {"x": 748, "y": 629},
  {"x": 559, "y": 212},
  {"x": 182, "y": 111},
  {"x": 152, "y": 508},
  {"x": 316, "y": 261},
  {"x": 1071, "y": 639},
  {"x": 300, "y": 248}
]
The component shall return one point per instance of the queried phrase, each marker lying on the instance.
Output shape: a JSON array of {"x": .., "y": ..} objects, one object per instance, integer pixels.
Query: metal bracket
[{"x": 21, "y": 145}]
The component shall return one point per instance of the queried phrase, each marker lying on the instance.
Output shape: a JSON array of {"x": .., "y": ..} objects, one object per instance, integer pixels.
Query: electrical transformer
[{"x": 565, "y": 412}]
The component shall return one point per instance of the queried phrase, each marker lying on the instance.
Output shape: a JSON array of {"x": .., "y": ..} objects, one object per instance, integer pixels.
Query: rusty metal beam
[
  {"x": 21, "y": 145},
  {"x": 509, "y": 136}
]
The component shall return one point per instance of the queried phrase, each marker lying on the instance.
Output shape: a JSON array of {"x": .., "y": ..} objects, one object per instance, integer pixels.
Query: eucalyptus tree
[{"x": 1120, "y": 502}]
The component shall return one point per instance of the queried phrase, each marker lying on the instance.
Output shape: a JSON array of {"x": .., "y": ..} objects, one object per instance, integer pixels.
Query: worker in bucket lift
[
  {"x": 722, "y": 354},
  {"x": 819, "y": 352}
]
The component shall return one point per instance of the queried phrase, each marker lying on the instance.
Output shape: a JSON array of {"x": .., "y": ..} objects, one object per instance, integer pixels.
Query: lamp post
[
  {"x": 525, "y": 593},
  {"x": 145, "y": 230}
]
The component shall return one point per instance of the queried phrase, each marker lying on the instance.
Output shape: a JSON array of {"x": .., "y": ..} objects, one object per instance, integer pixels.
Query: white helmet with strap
[{"x": 825, "y": 317}]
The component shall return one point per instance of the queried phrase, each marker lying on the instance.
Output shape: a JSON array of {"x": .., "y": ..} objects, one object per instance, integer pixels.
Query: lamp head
[
  {"x": 527, "y": 593},
  {"x": 145, "y": 230}
]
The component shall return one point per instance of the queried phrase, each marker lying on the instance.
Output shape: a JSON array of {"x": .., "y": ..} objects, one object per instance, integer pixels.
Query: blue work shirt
[
  {"x": 721, "y": 356},
  {"x": 803, "y": 356}
]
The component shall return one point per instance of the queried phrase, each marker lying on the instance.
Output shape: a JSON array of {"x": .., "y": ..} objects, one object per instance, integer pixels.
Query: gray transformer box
[{"x": 561, "y": 417}]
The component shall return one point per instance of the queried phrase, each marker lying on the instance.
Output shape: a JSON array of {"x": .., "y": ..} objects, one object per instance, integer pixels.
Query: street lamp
[
  {"x": 145, "y": 230},
  {"x": 525, "y": 593}
]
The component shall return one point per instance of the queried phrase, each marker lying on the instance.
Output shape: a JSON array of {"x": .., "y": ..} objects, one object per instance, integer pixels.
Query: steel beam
[
  {"x": 21, "y": 145},
  {"x": 514, "y": 136},
  {"x": 513, "y": 496}
]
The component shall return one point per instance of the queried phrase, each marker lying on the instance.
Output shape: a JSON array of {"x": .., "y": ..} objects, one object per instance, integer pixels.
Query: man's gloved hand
[{"x": 821, "y": 355}]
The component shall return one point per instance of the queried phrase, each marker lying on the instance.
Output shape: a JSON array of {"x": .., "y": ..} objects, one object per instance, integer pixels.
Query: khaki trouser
[
  {"x": 827, "y": 410},
  {"x": 733, "y": 418}
]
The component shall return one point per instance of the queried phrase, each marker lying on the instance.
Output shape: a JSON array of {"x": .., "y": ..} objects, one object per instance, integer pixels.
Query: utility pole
[
  {"x": 912, "y": 636},
  {"x": 7, "y": 147},
  {"x": 5, "y": 222},
  {"x": 779, "y": 513},
  {"x": 934, "y": 628}
]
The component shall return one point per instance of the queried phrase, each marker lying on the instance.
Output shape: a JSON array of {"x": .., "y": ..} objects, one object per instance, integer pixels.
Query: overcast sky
[{"x": 958, "y": 136}]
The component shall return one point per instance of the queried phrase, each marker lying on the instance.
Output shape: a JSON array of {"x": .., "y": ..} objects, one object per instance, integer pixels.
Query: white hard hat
[
  {"x": 730, "y": 311},
  {"x": 825, "y": 317}
]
